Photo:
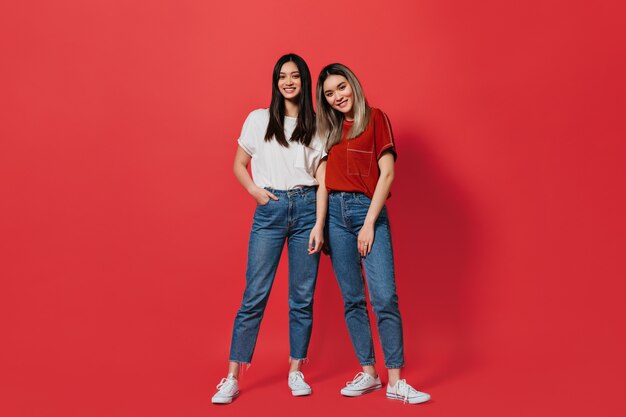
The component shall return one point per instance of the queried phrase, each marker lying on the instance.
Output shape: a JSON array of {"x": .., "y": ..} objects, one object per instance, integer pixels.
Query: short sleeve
[
  {"x": 320, "y": 145},
  {"x": 383, "y": 135},
  {"x": 251, "y": 134}
]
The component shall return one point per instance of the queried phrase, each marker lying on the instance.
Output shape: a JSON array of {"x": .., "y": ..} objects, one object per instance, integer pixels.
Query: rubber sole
[
  {"x": 225, "y": 400},
  {"x": 300, "y": 392},
  {"x": 419, "y": 400}
]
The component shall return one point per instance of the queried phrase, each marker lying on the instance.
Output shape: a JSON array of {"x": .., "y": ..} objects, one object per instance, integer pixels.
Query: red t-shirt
[{"x": 353, "y": 163}]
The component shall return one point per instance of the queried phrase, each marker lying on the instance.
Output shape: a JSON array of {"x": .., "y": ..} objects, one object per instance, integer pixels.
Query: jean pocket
[
  {"x": 311, "y": 198},
  {"x": 360, "y": 162},
  {"x": 363, "y": 200}
]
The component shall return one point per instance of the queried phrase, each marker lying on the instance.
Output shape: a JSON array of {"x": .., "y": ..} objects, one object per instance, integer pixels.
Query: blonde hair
[{"x": 329, "y": 120}]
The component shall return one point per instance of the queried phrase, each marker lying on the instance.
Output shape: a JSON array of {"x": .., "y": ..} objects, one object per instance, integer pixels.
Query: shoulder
[
  {"x": 377, "y": 114},
  {"x": 317, "y": 142},
  {"x": 379, "y": 119},
  {"x": 259, "y": 115},
  {"x": 256, "y": 123}
]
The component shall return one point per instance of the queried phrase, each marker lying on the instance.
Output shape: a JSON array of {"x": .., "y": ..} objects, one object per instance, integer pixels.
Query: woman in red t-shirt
[{"x": 359, "y": 173}]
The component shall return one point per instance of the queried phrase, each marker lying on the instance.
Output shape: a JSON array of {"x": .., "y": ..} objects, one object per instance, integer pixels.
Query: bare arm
[
  {"x": 316, "y": 239},
  {"x": 240, "y": 168},
  {"x": 366, "y": 235}
]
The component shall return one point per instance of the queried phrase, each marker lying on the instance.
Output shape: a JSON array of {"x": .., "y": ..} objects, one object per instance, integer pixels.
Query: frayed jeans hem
[
  {"x": 393, "y": 366},
  {"x": 240, "y": 362}
]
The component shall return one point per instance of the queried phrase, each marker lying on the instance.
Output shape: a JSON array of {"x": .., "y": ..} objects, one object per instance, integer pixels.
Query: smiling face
[
  {"x": 338, "y": 93},
  {"x": 289, "y": 82}
]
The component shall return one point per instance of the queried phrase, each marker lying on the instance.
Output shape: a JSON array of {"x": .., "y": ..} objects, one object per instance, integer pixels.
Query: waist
[
  {"x": 292, "y": 192},
  {"x": 346, "y": 193}
]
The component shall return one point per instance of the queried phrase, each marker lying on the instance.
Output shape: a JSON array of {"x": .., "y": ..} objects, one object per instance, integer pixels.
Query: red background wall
[{"x": 123, "y": 232}]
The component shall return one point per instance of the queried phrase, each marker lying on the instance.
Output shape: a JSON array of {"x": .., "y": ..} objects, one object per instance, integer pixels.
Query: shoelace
[
  {"x": 225, "y": 383},
  {"x": 401, "y": 386},
  {"x": 357, "y": 378},
  {"x": 298, "y": 378}
]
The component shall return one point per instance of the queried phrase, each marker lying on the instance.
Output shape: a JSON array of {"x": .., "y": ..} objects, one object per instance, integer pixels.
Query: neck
[
  {"x": 291, "y": 108},
  {"x": 349, "y": 116}
]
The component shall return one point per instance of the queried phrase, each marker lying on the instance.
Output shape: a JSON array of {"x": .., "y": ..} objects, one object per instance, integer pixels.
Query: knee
[
  {"x": 301, "y": 304},
  {"x": 301, "y": 294},
  {"x": 301, "y": 312},
  {"x": 354, "y": 304},
  {"x": 387, "y": 303},
  {"x": 252, "y": 305}
]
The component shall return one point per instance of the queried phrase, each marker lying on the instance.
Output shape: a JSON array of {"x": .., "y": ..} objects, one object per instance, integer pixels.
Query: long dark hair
[{"x": 305, "y": 127}]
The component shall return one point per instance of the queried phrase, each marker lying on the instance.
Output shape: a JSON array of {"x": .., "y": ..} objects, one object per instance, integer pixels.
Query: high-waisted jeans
[
  {"x": 347, "y": 213},
  {"x": 290, "y": 218}
]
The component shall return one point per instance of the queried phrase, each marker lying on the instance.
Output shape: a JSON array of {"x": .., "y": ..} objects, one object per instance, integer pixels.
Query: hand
[
  {"x": 365, "y": 239},
  {"x": 316, "y": 239},
  {"x": 262, "y": 196}
]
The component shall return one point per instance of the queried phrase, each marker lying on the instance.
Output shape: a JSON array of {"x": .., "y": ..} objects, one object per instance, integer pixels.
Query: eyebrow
[{"x": 292, "y": 72}]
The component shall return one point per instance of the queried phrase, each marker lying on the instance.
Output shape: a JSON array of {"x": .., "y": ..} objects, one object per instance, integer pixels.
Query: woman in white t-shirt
[{"x": 287, "y": 169}]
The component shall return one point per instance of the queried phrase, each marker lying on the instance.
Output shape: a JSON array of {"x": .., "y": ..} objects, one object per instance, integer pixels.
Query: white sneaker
[
  {"x": 404, "y": 392},
  {"x": 297, "y": 384},
  {"x": 361, "y": 384},
  {"x": 227, "y": 389}
]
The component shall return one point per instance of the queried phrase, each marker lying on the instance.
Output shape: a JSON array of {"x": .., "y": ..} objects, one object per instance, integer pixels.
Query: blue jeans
[
  {"x": 346, "y": 214},
  {"x": 290, "y": 218}
]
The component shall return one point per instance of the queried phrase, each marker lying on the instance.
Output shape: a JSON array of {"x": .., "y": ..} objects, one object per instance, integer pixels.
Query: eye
[
  {"x": 281, "y": 77},
  {"x": 329, "y": 94},
  {"x": 342, "y": 87},
  {"x": 296, "y": 75}
]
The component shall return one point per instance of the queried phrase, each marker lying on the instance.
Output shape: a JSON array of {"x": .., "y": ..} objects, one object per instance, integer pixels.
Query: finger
[
  {"x": 364, "y": 249},
  {"x": 272, "y": 196},
  {"x": 369, "y": 247},
  {"x": 311, "y": 241}
]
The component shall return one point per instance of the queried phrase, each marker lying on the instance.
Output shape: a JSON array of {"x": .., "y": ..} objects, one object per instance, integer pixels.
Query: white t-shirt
[{"x": 274, "y": 165}]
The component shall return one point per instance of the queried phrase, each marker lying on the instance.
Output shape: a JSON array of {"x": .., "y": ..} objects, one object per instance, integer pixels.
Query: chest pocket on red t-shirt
[{"x": 359, "y": 161}]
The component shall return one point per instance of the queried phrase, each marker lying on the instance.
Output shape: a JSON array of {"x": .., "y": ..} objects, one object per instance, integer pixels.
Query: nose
[{"x": 288, "y": 80}]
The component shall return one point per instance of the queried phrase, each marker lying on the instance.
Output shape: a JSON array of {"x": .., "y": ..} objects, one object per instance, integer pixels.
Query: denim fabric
[
  {"x": 347, "y": 213},
  {"x": 290, "y": 218}
]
